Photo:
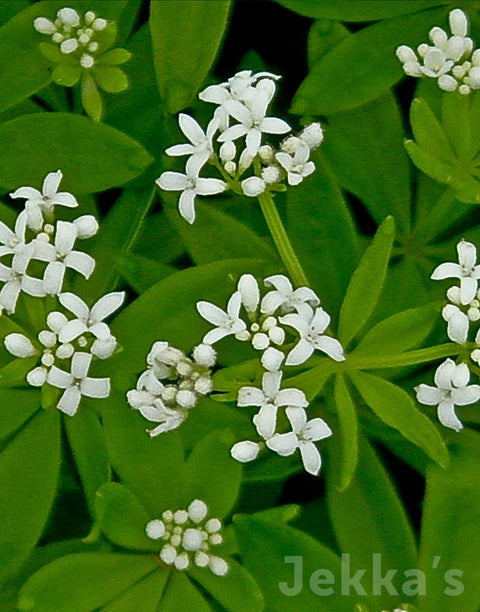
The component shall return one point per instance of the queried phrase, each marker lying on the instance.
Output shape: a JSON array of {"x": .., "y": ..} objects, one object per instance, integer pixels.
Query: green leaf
[
  {"x": 203, "y": 239},
  {"x": 76, "y": 145},
  {"x": 116, "y": 57},
  {"x": 140, "y": 272},
  {"x": 122, "y": 518},
  {"x": 236, "y": 592},
  {"x": 355, "y": 145},
  {"x": 151, "y": 468},
  {"x": 91, "y": 98},
  {"x": 28, "y": 480},
  {"x": 348, "y": 425},
  {"x": 180, "y": 594},
  {"x": 271, "y": 552},
  {"x": 322, "y": 232},
  {"x": 82, "y": 582},
  {"x": 212, "y": 475},
  {"x": 401, "y": 332},
  {"x": 429, "y": 133},
  {"x": 396, "y": 408},
  {"x": 323, "y": 36},
  {"x": 184, "y": 55},
  {"x": 359, "y": 10},
  {"x": 87, "y": 442},
  {"x": 144, "y": 596},
  {"x": 450, "y": 536},
  {"x": 18, "y": 405},
  {"x": 368, "y": 518},
  {"x": 366, "y": 284},
  {"x": 67, "y": 75},
  {"x": 370, "y": 56},
  {"x": 110, "y": 78}
]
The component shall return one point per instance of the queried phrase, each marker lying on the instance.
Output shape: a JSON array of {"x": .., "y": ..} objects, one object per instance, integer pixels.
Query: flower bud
[
  {"x": 86, "y": 226},
  {"x": 19, "y": 346},
  {"x": 205, "y": 355},
  {"x": 253, "y": 186},
  {"x": 245, "y": 451}
]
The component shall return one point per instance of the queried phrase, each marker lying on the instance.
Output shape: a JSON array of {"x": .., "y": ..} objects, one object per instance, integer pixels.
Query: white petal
[
  {"x": 253, "y": 141},
  {"x": 210, "y": 186},
  {"x": 466, "y": 396},
  {"x": 311, "y": 458},
  {"x": 180, "y": 150},
  {"x": 271, "y": 384},
  {"x": 70, "y": 401},
  {"x": 80, "y": 365},
  {"x": 72, "y": 330},
  {"x": 6, "y": 233},
  {"x": 234, "y": 304},
  {"x": 291, "y": 397},
  {"x": 457, "y": 327},
  {"x": 106, "y": 305},
  {"x": 80, "y": 262},
  {"x": 58, "y": 378},
  {"x": 65, "y": 199},
  {"x": 447, "y": 417},
  {"x": 248, "y": 287},
  {"x": 250, "y": 396},
  {"x": 458, "y": 22},
  {"x": 468, "y": 289},
  {"x": 191, "y": 129},
  {"x": 232, "y": 133},
  {"x": 272, "y": 301},
  {"x": 75, "y": 305},
  {"x": 274, "y": 125},
  {"x": 461, "y": 375},
  {"x": 9, "y": 296},
  {"x": 447, "y": 270},
  {"x": 238, "y": 111},
  {"x": 65, "y": 237},
  {"x": 22, "y": 258},
  {"x": 272, "y": 359},
  {"x": 95, "y": 387},
  {"x": 196, "y": 162},
  {"x": 100, "y": 330},
  {"x": 320, "y": 321},
  {"x": 245, "y": 451},
  {"x": 216, "y": 334},
  {"x": 33, "y": 286},
  {"x": 51, "y": 183},
  {"x": 296, "y": 321},
  {"x": 27, "y": 193},
  {"x": 186, "y": 205},
  {"x": 172, "y": 181},
  {"x": 266, "y": 421},
  {"x": 56, "y": 321},
  {"x": 300, "y": 353},
  {"x": 211, "y": 313},
  {"x": 283, "y": 444},
  {"x": 444, "y": 373},
  {"x": 19, "y": 346},
  {"x": 297, "y": 418},
  {"x": 431, "y": 396},
  {"x": 215, "y": 94},
  {"x": 331, "y": 347},
  {"x": 315, "y": 430}
]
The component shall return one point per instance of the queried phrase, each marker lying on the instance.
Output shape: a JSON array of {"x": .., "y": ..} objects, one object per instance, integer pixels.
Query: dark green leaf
[
  {"x": 184, "y": 55},
  {"x": 366, "y": 283},
  {"x": 116, "y": 158}
]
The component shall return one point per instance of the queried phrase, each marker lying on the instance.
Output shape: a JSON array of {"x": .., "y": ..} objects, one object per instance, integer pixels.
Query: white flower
[
  {"x": 245, "y": 451},
  {"x": 311, "y": 337},
  {"x": 465, "y": 270},
  {"x": 41, "y": 204},
  {"x": 298, "y": 166},
  {"x": 312, "y": 135},
  {"x": 16, "y": 279},
  {"x": 13, "y": 241},
  {"x": 303, "y": 436},
  {"x": 227, "y": 323},
  {"x": 451, "y": 390},
  {"x": 458, "y": 323},
  {"x": 269, "y": 399},
  {"x": 435, "y": 63},
  {"x": 286, "y": 298},
  {"x": 251, "y": 116},
  {"x": 191, "y": 185},
  {"x": 164, "y": 358},
  {"x": 458, "y": 22},
  {"x": 201, "y": 142},
  {"x": 91, "y": 320},
  {"x": 62, "y": 256},
  {"x": 77, "y": 383}
]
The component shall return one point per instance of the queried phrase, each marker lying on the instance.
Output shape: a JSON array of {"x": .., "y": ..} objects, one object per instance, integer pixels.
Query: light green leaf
[
  {"x": 322, "y": 232},
  {"x": 236, "y": 592},
  {"x": 366, "y": 284},
  {"x": 180, "y": 594},
  {"x": 369, "y": 55},
  {"x": 450, "y": 536},
  {"x": 18, "y": 405},
  {"x": 110, "y": 78},
  {"x": 87, "y": 442},
  {"x": 83, "y": 582},
  {"x": 355, "y": 145},
  {"x": 347, "y": 420},
  {"x": 140, "y": 272},
  {"x": 400, "y": 332},
  {"x": 28, "y": 480},
  {"x": 368, "y": 518},
  {"x": 144, "y": 596},
  {"x": 151, "y": 468},
  {"x": 66, "y": 74},
  {"x": 429, "y": 133},
  {"x": 323, "y": 36},
  {"x": 396, "y": 408},
  {"x": 116, "y": 158},
  {"x": 122, "y": 518},
  {"x": 184, "y": 55},
  {"x": 91, "y": 98},
  {"x": 359, "y": 10},
  {"x": 212, "y": 475}
]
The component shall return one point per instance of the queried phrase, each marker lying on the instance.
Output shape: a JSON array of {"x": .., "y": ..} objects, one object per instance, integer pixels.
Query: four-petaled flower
[
  {"x": 227, "y": 323},
  {"x": 200, "y": 141},
  {"x": 297, "y": 166},
  {"x": 452, "y": 389},
  {"x": 466, "y": 270}
]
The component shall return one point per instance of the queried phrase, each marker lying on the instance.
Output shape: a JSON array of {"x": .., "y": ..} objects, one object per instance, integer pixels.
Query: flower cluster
[
  {"x": 452, "y": 388},
  {"x": 188, "y": 536},
  {"x": 81, "y": 49},
  {"x": 450, "y": 59},
  {"x": 240, "y": 116},
  {"x": 42, "y": 246},
  {"x": 185, "y": 380},
  {"x": 280, "y": 311}
]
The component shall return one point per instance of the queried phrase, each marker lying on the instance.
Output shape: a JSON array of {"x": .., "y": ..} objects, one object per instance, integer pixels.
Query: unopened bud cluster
[
  {"x": 187, "y": 537},
  {"x": 450, "y": 59},
  {"x": 172, "y": 384}
]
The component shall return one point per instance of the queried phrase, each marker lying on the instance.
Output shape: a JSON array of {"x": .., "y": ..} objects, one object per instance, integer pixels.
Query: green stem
[{"x": 282, "y": 241}]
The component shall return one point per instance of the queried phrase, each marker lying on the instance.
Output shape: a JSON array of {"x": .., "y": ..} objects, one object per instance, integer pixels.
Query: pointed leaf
[
  {"x": 144, "y": 596},
  {"x": 180, "y": 594},
  {"x": 347, "y": 420}
]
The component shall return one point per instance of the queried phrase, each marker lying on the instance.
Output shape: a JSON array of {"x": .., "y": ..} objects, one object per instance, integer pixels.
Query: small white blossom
[
  {"x": 226, "y": 323},
  {"x": 77, "y": 383},
  {"x": 311, "y": 337},
  {"x": 452, "y": 389},
  {"x": 41, "y": 204},
  {"x": 303, "y": 436},
  {"x": 287, "y": 299},
  {"x": 297, "y": 167},
  {"x": 200, "y": 142},
  {"x": 191, "y": 185},
  {"x": 457, "y": 323},
  {"x": 16, "y": 280},
  {"x": 466, "y": 270}
]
